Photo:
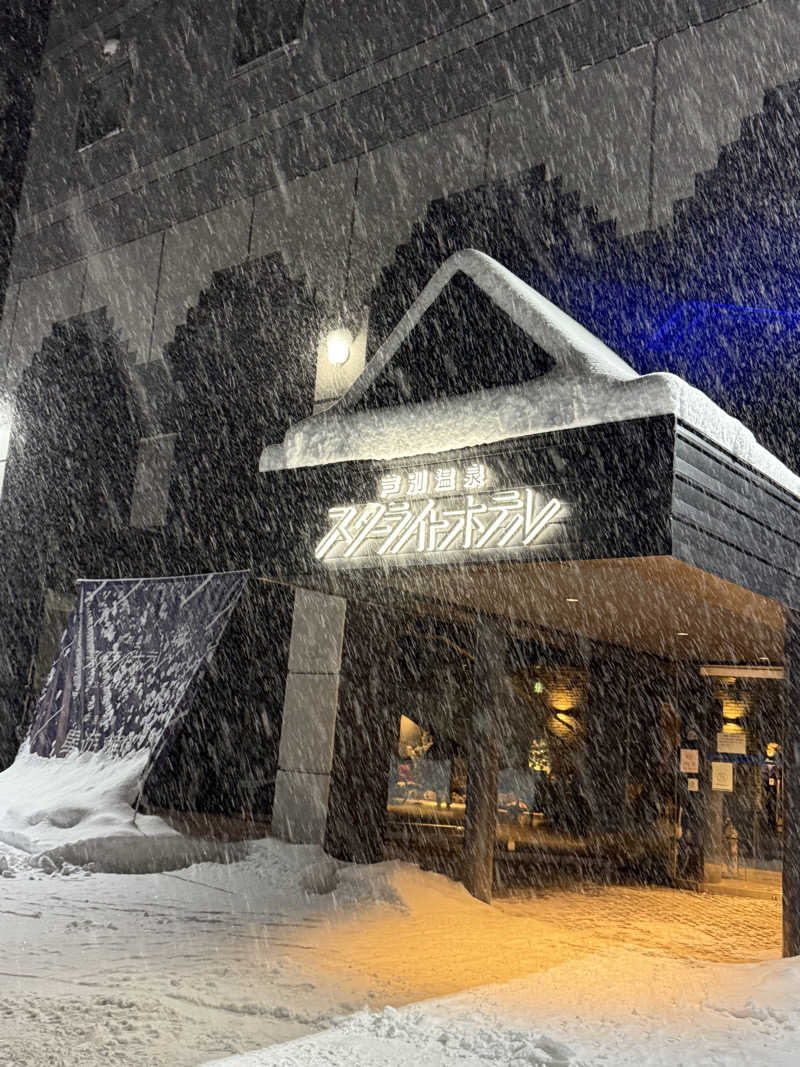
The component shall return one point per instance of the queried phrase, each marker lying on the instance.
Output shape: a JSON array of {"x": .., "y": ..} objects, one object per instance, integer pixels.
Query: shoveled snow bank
[
  {"x": 752, "y": 1015},
  {"x": 78, "y": 810},
  {"x": 416, "y": 1035},
  {"x": 589, "y": 385},
  {"x": 764, "y": 992}
]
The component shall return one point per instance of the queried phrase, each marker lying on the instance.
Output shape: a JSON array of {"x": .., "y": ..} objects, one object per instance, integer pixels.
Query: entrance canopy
[
  {"x": 654, "y": 604},
  {"x": 535, "y": 370},
  {"x": 542, "y": 447}
]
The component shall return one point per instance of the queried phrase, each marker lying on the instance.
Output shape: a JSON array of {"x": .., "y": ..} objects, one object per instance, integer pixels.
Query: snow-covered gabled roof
[
  {"x": 571, "y": 346},
  {"x": 588, "y": 384}
]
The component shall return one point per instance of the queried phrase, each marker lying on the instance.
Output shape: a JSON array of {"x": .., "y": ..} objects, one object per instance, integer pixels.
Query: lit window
[
  {"x": 5, "y": 437},
  {"x": 263, "y": 26},
  {"x": 103, "y": 108}
]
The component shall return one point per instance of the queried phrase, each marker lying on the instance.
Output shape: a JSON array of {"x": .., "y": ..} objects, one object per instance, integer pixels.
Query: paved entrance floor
[
  {"x": 749, "y": 882},
  {"x": 458, "y": 944}
]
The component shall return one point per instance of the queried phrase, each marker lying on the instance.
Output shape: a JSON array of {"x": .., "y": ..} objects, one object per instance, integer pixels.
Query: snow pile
[
  {"x": 765, "y": 992},
  {"x": 589, "y": 385},
  {"x": 392, "y": 1038},
  {"x": 78, "y": 810},
  {"x": 320, "y": 877},
  {"x": 399, "y": 885},
  {"x": 278, "y": 870},
  {"x": 513, "y": 1025}
]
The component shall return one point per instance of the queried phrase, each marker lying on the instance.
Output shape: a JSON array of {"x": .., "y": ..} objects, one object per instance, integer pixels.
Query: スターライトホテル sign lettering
[{"x": 437, "y": 512}]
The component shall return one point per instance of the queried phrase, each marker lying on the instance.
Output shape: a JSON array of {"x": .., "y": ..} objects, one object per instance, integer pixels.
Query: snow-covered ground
[
  {"x": 47, "y": 805},
  {"x": 704, "y": 1017},
  {"x": 316, "y": 963},
  {"x": 161, "y": 969}
]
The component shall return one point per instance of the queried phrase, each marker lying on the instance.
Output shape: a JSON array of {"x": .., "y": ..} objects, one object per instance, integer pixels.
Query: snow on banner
[{"x": 129, "y": 656}]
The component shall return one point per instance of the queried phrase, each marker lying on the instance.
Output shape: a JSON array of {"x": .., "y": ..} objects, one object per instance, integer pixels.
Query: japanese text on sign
[
  {"x": 424, "y": 525},
  {"x": 423, "y": 482}
]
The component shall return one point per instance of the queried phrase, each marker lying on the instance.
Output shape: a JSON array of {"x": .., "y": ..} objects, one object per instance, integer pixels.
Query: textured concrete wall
[
  {"x": 591, "y": 128},
  {"x": 124, "y": 280},
  {"x": 330, "y": 151},
  {"x": 23, "y": 30},
  {"x": 192, "y": 251},
  {"x": 708, "y": 79},
  {"x": 43, "y": 299}
]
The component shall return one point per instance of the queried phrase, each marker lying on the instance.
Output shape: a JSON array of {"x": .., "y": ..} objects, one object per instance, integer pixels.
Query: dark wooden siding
[
  {"x": 615, "y": 481},
  {"x": 733, "y": 521}
]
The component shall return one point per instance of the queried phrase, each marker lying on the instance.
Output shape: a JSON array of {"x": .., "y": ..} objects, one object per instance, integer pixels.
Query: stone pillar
[
  {"x": 481, "y": 813},
  {"x": 366, "y": 733},
  {"x": 310, "y": 706},
  {"x": 791, "y": 788}
]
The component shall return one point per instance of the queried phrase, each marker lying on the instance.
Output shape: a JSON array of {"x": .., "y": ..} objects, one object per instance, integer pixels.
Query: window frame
[
  {"x": 122, "y": 68},
  {"x": 287, "y": 50}
]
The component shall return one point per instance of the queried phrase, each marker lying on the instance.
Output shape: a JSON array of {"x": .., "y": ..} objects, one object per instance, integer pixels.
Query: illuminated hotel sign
[{"x": 435, "y": 513}]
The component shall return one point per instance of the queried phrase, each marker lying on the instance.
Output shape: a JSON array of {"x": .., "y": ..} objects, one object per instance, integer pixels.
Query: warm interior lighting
[
  {"x": 563, "y": 726},
  {"x": 572, "y": 600},
  {"x": 539, "y": 755},
  {"x": 410, "y": 736},
  {"x": 733, "y": 709},
  {"x": 563, "y": 699},
  {"x": 338, "y": 344},
  {"x": 732, "y": 728},
  {"x": 682, "y": 633}
]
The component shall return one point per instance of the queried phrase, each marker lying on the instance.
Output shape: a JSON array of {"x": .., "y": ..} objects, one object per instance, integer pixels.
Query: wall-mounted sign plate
[
  {"x": 690, "y": 761},
  {"x": 722, "y": 777}
]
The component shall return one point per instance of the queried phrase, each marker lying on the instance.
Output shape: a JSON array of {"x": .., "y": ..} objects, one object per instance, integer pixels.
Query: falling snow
[{"x": 399, "y": 510}]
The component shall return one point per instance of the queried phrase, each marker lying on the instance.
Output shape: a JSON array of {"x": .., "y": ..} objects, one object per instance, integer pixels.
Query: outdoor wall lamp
[{"x": 338, "y": 344}]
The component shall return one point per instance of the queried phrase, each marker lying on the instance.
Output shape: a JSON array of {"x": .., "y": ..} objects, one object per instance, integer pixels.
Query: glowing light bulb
[{"x": 338, "y": 346}]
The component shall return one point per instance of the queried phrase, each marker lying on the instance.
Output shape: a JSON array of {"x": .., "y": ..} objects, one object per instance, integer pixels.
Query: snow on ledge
[{"x": 588, "y": 385}]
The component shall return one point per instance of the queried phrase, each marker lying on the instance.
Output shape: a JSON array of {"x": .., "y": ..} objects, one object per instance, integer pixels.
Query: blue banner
[{"x": 128, "y": 659}]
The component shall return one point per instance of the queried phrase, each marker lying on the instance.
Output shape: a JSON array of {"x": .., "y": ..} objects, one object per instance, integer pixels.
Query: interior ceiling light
[
  {"x": 563, "y": 726},
  {"x": 733, "y": 709},
  {"x": 572, "y": 600},
  {"x": 733, "y": 728},
  {"x": 563, "y": 699},
  {"x": 682, "y": 633}
]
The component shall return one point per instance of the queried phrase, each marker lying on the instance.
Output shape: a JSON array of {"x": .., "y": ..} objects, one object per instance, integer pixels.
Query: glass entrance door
[{"x": 746, "y": 803}]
